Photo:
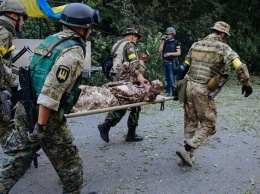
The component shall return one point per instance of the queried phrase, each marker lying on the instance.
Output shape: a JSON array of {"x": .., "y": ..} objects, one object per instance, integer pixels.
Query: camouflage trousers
[
  {"x": 200, "y": 114},
  {"x": 5, "y": 123},
  {"x": 5, "y": 130},
  {"x": 57, "y": 145},
  {"x": 132, "y": 122}
]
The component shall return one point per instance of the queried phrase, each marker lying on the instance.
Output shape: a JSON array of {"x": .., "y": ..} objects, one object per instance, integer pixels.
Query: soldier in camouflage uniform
[
  {"x": 12, "y": 17},
  {"x": 129, "y": 58},
  {"x": 205, "y": 63},
  {"x": 57, "y": 140}
]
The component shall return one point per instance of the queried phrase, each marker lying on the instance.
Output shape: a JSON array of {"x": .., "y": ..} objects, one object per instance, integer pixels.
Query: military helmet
[
  {"x": 131, "y": 31},
  {"x": 170, "y": 30},
  {"x": 79, "y": 15},
  {"x": 13, "y": 6},
  {"x": 222, "y": 27}
]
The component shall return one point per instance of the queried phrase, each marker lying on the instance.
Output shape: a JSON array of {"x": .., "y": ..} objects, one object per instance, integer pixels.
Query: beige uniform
[
  {"x": 52, "y": 91},
  {"x": 207, "y": 58}
]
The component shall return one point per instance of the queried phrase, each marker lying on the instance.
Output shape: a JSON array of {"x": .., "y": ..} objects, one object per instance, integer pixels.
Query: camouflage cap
[
  {"x": 13, "y": 6},
  {"x": 222, "y": 27},
  {"x": 131, "y": 31}
]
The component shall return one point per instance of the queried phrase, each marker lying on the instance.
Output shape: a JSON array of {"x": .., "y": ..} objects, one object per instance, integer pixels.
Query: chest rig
[
  {"x": 43, "y": 60},
  {"x": 206, "y": 62}
]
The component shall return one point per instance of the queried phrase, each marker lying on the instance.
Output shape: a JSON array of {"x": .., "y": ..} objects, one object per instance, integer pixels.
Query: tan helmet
[
  {"x": 131, "y": 31},
  {"x": 222, "y": 27},
  {"x": 13, "y": 6}
]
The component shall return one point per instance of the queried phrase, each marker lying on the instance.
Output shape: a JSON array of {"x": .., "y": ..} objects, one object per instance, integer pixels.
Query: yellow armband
[
  {"x": 236, "y": 63},
  {"x": 187, "y": 62},
  {"x": 3, "y": 50},
  {"x": 132, "y": 56}
]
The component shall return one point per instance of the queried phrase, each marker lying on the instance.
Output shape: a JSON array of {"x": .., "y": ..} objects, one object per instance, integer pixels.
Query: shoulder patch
[{"x": 62, "y": 73}]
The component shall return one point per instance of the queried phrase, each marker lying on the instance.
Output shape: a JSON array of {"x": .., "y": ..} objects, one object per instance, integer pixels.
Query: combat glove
[
  {"x": 247, "y": 90},
  {"x": 37, "y": 133}
]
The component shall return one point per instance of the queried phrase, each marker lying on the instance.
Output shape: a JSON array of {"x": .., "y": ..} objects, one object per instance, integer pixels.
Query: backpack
[{"x": 107, "y": 62}]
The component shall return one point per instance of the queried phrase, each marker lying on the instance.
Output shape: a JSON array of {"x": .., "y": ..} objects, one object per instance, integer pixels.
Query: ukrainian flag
[{"x": 41, "y": 9}]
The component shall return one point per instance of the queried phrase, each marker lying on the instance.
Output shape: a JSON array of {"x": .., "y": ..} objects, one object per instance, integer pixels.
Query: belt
[{"x": 168, "y": 61}]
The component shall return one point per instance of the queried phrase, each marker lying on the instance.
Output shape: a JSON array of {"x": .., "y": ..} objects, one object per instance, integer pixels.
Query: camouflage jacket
[
  {"x": 115, "y": 94},
  {"x": 7, "y": 34},
  {"x": 72, "y": 58},
  {"x": 130, "y": 67},
  {"x": 208, "y": 57}
]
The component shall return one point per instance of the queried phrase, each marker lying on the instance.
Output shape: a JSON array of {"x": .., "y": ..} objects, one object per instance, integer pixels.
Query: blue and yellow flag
[{"x": 41, "y": 9}]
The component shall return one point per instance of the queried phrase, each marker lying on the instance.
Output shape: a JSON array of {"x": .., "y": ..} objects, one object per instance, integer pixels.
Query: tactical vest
[
  {"x": 169, "y": 46},
  {"x": 206, "y": 62},
  {"x": 120, "y": 57},
  {"x": 40, "y": 66}
]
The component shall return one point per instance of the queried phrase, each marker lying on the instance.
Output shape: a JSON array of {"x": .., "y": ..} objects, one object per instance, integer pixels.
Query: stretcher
[{"x": 159, "y": 99}]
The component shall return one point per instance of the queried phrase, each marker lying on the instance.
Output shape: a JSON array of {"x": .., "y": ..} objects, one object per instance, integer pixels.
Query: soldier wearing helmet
[
  {"x": 12, "y": 17},
  {"x": 55, "y": 71},
  {"x": 16, "y": 12},
  {"x": 126, "y": 55},
  {"x": 205, "y": 65},
  {"x": 170, "y": 49}
]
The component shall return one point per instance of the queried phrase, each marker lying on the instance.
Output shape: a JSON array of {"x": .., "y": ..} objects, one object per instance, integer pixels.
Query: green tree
[{"x": 191, "y": 18}]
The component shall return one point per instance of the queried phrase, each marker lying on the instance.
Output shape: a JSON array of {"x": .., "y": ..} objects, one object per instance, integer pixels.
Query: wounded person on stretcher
[
  {"x": 116, "y": 94},
  {"x": 111, "y": 94}
]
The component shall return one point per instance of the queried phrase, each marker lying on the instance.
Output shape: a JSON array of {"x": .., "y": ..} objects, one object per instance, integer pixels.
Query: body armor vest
[
  {"x": 120, "y": 56},
  {"x": 40, "y": 66},
  {"x": 169, "y": 46},
  {"x": 206, "y": 62}
]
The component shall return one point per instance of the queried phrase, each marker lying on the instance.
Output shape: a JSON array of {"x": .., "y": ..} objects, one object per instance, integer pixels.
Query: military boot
[
  {"x": 183, "y": 163},
  {"x": 185, "y": 156},
  {"x": 132, "y": 136},
  {"x": 104, "y": 130}
]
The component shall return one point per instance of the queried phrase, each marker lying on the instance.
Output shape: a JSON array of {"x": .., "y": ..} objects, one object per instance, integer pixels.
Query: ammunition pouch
[
  {"x": 222, "y": 81},
  {"x": 213, "y": 83},
  {"x": 64, "y": 101},
  {"x": 181, "y": 88},
  {"x": 67, "y": 102}
]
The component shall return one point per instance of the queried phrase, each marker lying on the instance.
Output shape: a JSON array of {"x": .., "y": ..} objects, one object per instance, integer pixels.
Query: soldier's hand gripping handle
[
  {"x": 37, "y": 133},
  {"x": 247, "y": 90}
]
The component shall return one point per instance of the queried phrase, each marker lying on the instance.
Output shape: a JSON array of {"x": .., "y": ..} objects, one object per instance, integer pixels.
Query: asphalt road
[{"x": 227, "y": 163}]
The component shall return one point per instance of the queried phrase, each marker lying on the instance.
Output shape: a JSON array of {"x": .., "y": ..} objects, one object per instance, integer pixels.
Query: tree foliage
[{"x": 192, "y": 20}]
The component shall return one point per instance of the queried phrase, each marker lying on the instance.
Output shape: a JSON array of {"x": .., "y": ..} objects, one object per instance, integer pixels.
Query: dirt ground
[{"x": 227, "y": 163}]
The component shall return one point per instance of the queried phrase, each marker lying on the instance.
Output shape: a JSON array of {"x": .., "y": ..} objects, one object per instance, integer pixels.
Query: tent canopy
[{"x": 41, "y": 9}]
